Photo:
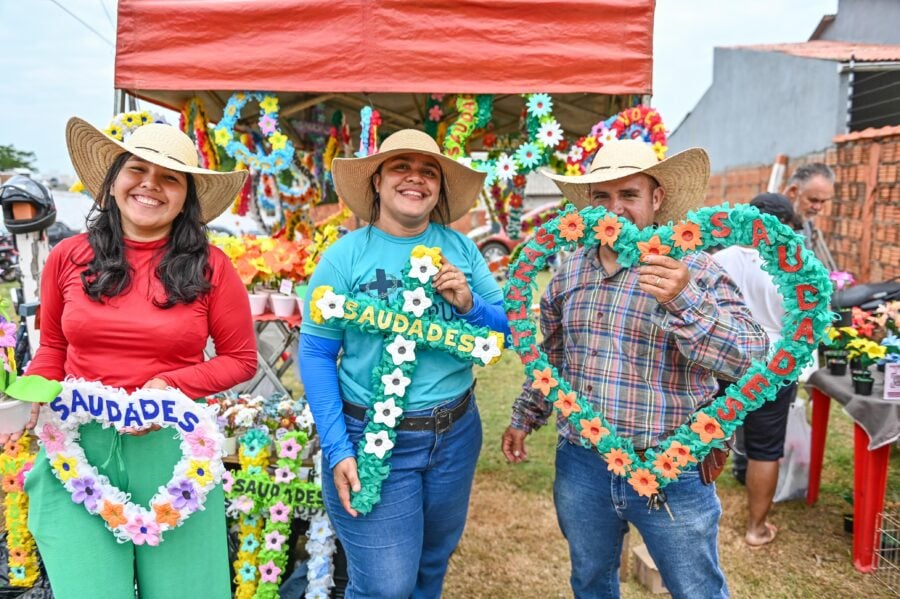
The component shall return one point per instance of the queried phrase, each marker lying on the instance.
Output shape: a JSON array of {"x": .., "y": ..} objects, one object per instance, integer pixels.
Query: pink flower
[
  {"x": 227, "y": 481},
  {"x": 269, "y": 572},
  {"x": 201, "y": 444},
  {"x": 8, "y": 337},
  {"x": 53, "y": 439},
  {"x": 20, "y": 477},
  {"x": 435, "y": 113},
  {"x": 289, "y": 449},
  {"x": 274, "y": 540},
  {"x": 267, "y": 125},
  {"x": 143, "y": 532},
  {"x": 244, "y": 504},
  {"x": 279, "y": 512},
  {"x": 284, "y": 475}
]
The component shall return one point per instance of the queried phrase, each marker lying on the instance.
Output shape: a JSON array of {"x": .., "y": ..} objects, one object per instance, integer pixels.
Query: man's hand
[
  {"x": 345, "y": 479},
  {"x": 663, "y": 277},
  {"x": 513, "y": 445}
]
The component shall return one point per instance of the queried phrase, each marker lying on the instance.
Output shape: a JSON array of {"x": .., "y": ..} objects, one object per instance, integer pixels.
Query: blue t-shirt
[{"x": 370, "y": 262}]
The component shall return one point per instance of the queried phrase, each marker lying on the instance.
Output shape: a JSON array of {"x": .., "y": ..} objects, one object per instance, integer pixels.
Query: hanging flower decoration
[
  {"x": 405, "y": 333},
  {"x": 639, "y": 122},
  {"x": 369, "y": 120},
  {"x": 799, "y": 276},
  {"x": 125, "y": 123},
  {"x": 194, "y": 476},
  {"x": 15, "y": 462},
  {"x": 459, "y": 132},
  {"x": 195, "y": 124},
  {"x": 320, "y": 546},
  {"x": 282, "y": 155}
]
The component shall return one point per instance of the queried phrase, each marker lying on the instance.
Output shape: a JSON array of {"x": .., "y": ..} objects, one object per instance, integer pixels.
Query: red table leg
[
  {"x": 821, "y": 404},
  {"x": 869, "y": 482}
]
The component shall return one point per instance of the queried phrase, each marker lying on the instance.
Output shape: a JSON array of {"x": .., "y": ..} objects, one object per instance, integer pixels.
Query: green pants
[{"x": 83, "y": 558}]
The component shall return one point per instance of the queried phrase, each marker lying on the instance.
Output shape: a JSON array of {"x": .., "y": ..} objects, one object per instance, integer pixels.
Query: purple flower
[
  {"x": 84, "y": 490},
  {"x": 184, "y": 495}
]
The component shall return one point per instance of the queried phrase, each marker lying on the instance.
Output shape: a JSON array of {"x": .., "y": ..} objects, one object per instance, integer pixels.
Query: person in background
[{"x": 809, "y": 189}]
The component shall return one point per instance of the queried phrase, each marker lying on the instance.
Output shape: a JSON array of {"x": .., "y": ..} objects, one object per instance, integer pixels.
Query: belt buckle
[{"x": 442, "y": 421}]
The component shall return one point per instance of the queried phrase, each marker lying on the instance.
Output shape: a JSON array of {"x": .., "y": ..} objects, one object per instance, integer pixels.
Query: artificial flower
[
  {"x": 267, "y": 125},
  {"x": 593, "y": 430},
  {"x": 143, "y": 531},
  {"x": 386, "y": 412},
  {"x": 643, "y": 482},
  {"x": 435, "y": 113},
  {"x": 395, "y": 383},
  {"x": 284, "y": 475},
  {"x": 184, "y": 495},
  {"x": 573, "y": 170},
  {"x": 543, "y": 380},
  {"x": 7, "y": 334},
  {"x": 227, "y": 481},
  {"x": 166, "y": 514},
  {"x": 416, "y": 301},
  {"x": 247, "y": 572},
  {"x": 571, "y": 227},
  {"x": 222, "y": 136},
  {"x": 113, "y": 514},
  {"x": 331, "y": 305},
  {"x": 423, "y": 268},
  {"x": 201, "y": 444},
  {"x": 115, "y": 132},
  {"x": 707, "y": 428},
  {"x": 606, "y": 136},
  {"x": 378, "y": 444},
  {"x": 289, "y": 448},
  {"x": 589, "y": 144},
  {"x": 199, "y": 471},
  {"x": 567, "y": 403},
  {"x": 10, "y": 483},
  {"x": 550, "y": 134},
  {"x": 617, "y": 461},
  {"x": 654, "y": 247},
  {"x": 841, "y": 279},
  {"x": 269, "y": 104},
  {"x": 680, "y": 454},
  {"x": 607, "y": 230},
  {"x": 686, "y": 236},
  {"x": 243, "y": 504},
  {"x": 274, "y": 540},
  {"x": 506, "y": 167},
  {"x": 575, "y": 154},
  {"x": 401, "y": 350},
  {"x": 666, "y": 466},
  {"x": 278, "y": 141},
  {"x": 269, "y": 572},
  {"x": 84, "y": 490},
  {"x": 279, "y": 512},
  {"x": 539, "y": 105},
  {"x": 486, "y": 349},
  {"x": 66, "y": 467},
  {"x": 528, "y": 155}
]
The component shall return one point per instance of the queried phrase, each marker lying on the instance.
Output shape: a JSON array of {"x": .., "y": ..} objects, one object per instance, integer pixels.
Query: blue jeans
[
  {"x": 401, "y": 548},
  {"x": 594, "y": 507}
]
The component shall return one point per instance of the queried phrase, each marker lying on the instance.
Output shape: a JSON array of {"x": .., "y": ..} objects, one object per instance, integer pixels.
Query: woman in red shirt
[{"x": 131, "y": 303}]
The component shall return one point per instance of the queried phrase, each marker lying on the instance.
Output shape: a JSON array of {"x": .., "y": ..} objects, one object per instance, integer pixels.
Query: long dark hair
[
  {"x": 184, "y": 268},
  {"x": 440, "y": 212}
]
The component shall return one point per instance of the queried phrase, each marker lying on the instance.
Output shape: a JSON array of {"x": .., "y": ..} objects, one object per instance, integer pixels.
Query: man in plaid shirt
[{"x": 645, "y": 346}]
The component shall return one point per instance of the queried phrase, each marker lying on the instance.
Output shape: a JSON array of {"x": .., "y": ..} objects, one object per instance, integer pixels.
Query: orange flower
[
  {"x": 114, "y": 514},
  {"x": 680, "y": 454},
  {"x": 654, "y": 247},
  {"x": 544, "y": 381},
  {"x": 643, "y": 481},
  {"x": 708, "y": 428},
  {"x": 10, "y": 483},
  {"x": 567, "y": 403},
  {"x": 593, "y": 430},
  {"x": 166, "y": 514},
  {"x": 17, "y": 555},
  {"x": 607, "y": 230},
  {"x": 686, "y": 236},
  {"x": 11, "y": 448},
  {"x": 571, "y": 227},
  {"x": 666, "y": 466},
  {"x": 618, "y": 462}
]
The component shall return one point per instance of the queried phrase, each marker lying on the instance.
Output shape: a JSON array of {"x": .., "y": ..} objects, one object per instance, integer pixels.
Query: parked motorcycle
[{"x": 9, "y": 259}]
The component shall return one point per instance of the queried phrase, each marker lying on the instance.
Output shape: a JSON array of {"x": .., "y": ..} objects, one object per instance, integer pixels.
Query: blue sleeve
[
  {"x": 318, "y": 370},
  {"x": 484, "y": 314}
]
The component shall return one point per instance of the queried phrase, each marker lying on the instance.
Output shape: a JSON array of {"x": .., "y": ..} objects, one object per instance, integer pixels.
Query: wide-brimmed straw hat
[
  {"x": 93, "y": 152},
  {"x": 684, "y": 176},
  {"x": 353, "y": 176}
]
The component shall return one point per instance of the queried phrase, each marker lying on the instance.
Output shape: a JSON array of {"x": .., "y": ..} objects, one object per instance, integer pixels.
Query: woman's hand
[
  {"x": 345, "y": 479},
  {"x": 154, "y": 383},
  {"x": 451, "y": 283},
  {"x": 32, "y": 422}
]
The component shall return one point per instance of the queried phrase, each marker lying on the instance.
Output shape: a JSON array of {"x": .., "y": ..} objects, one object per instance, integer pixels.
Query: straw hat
[
  {"x": 353, "y": 176},
  {"x": 684, "y": 176},
  {"x": 93, "y": 152}
]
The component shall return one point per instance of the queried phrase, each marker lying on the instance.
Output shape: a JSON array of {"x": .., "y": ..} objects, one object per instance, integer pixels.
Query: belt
[{"x": 440, "y": 422}]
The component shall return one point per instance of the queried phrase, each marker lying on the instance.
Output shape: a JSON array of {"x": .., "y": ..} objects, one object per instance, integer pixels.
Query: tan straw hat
[
  {"x": 93, "y": 152},
  {"x": 684, "y": 176},
  {"x": 353, "y": 176}
]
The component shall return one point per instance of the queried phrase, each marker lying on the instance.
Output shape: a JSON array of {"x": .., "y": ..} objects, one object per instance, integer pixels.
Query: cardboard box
[{"x": 645, "y": 571}]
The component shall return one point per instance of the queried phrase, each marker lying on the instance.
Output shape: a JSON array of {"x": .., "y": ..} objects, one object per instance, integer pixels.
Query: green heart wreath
[{"x": 800, "y": 278}]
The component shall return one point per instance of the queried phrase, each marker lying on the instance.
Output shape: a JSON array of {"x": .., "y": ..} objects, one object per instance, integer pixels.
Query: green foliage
[{"x": 11, "y": 158}]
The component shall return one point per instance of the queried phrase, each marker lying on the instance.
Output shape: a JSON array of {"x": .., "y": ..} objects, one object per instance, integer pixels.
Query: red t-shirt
[{"x": 126, "y": 341}]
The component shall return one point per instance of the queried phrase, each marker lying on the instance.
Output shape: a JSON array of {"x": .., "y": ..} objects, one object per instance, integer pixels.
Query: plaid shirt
[{"x": 646, "y": 366}]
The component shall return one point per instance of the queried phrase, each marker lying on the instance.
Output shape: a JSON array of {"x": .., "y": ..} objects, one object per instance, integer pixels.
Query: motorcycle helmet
[{"x": 39, "y": 211}]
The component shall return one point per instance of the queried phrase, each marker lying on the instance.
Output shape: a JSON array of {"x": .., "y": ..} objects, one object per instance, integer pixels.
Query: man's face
[
  {"x": 809, "y": 198},
  {"x": 635, "y": 198}
]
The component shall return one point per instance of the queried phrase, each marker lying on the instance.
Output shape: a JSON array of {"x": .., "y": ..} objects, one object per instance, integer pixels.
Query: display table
[
  {"x": 876, "y": 425},
  {"x": 275, "y": 355}
]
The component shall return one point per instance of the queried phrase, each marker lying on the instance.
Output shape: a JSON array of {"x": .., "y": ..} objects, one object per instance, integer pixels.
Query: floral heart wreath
[
  {"x": 408, "y": 328},
  {"x": 800, "y": 278},
  {"x": 282, "y": 154},
  {"x": 195, "y": 475}
]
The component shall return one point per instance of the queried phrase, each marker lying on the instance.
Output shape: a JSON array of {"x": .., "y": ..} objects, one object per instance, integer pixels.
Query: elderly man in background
[{"x": 809, "y": 189}]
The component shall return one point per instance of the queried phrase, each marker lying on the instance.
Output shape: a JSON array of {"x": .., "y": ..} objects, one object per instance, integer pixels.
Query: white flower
[
  {"x": 394, "y": 384},
  {"x": 416, "y": 301},
  {"x": 378, "y": 444},
  {"x": 576, "y": 154},
  {"x": 319, "y": 530},
  {"x": 386, "y": 412},
  {"x": 486, "y": 349},
  {"x": 606, "y": 135},
  {"x": 401, "y": 350},
  {"x": 506, "y": 168},
  {"x": 550, "y": 134},
  {"x": 304, "y": 419},
  {"x": 331, "y": 305},
  {"x": 422, "y": 268}
]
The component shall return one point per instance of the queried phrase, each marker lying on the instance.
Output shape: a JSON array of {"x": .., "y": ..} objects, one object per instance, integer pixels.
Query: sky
[{"x": 57, "y": 59}]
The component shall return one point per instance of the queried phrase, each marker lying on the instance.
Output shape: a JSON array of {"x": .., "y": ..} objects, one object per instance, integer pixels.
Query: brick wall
[{"x": 862, "y": 224}]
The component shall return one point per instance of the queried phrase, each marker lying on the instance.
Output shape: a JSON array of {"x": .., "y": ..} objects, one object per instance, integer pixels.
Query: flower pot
[
  {"x": 837, "y": 367},
  {"x": 283, "y": 305},
  {"x": 863, "y": 386},
  {"x": 846, "y": 318},
  {"x": 14, "y": 415},
  {"x": 855, "y": 364},
  {"x": 230, "y": 445},
  {"x": 258, "y": 302}
]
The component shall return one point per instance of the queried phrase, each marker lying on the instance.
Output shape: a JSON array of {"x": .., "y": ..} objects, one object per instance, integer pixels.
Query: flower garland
[
  {"x": 282, "y": 154},
  {"x": 15, "y": 462},
  {"x": 799, "y": 276},
  {"x": 253, "y": 456},
  {"x": 369, "y": 120},
  {"x": 639, "y": 122},
  {"x": 195, "y": 124},
  {"x": 458, "y": 133},
  {"x": 320, "y": 547},
  {"x": 126, "y": 123},
  {"x": 408, "y": 328},
  {"x": 195, "y": 475}
]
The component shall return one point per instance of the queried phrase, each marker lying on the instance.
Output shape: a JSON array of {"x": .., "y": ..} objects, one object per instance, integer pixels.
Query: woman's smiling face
[
  {"x": 409, "y": 186},
  {"x": 149, "y": 198}
]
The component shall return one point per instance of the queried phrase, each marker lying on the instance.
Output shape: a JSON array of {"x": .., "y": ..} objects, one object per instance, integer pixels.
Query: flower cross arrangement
[
  {"x": 15, "y": 462},
  {"x": 407, "y": 329}
]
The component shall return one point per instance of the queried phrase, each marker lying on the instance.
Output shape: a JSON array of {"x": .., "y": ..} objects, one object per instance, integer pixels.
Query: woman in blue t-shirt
[{"x": 409, "y": 192}]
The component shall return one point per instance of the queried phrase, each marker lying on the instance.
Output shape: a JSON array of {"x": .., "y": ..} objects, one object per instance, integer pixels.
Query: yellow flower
[
  {"x": 269, "y": 104},
  {"x": 660, "y": 150},
  {"x": 314, "y": 312},
  {"x": 589, "y": 144},
  {"x": 421, "y": 251},
  {"x": 278, "y": 140},
  {"x": 266, "y": 244},
  {"x": 65, "y": 467},
  {"x": 77, "y": 187},
  {"x": 145, "y": 117},
  {"x": 222, "y": 136},
  {"x": 573, "y": 170},
  {"x": 114, "y": 131},
  {"x": 199, "y": 471},
  {"x": 500, "y": 340}
]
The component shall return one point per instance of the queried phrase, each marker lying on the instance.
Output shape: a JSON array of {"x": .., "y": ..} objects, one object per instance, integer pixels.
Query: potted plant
[
  {"x": 842, "y": 280},
  {"x": 836, "y": 348},
  {"x": 891, "y": 345},
  {"x": 866, "y": 352}
]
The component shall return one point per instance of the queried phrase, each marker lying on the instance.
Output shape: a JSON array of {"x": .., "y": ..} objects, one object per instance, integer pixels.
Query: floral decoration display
[
  {"x": 369, "y": 120},
  {"x": 406, "y": 329},
  {"x": 459, "y": 132},
  {"x": 639, "y": 122},
  {"x": 320, "y": 547},
  {"x": 125, "y": 123},
  {"x": 799, "y": 276},
  {"x": 194, "y": 123},
  {"x": 15, "y": 462},
  {"x": 282, "y": 149},
  {"x": 194, "y": 476},
  {"x": 265, "y": 261}
]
